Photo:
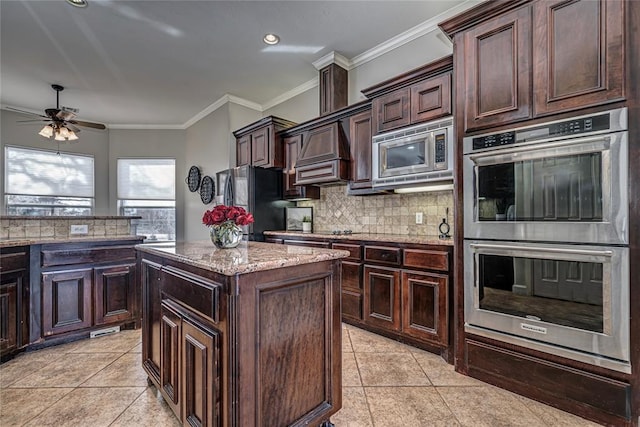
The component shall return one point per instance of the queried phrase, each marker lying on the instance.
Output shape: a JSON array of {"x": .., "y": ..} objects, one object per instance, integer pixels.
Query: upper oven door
[{"x": 568, "y": 190}]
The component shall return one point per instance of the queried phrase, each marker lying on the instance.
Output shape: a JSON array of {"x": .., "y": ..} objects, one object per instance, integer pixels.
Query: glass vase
[{"x": 226, "y": 235}]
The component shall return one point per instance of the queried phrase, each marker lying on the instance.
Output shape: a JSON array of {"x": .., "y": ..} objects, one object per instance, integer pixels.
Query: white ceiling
[{"x": 161, "y": 63}]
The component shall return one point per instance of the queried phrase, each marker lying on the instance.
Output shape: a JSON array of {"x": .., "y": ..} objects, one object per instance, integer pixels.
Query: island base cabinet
[
  {"x": 66, "y": 301},
  {"x": 170, "y": 337},
  {"x": 114, "y": 294},
  {"x": 8, "y": 317}
]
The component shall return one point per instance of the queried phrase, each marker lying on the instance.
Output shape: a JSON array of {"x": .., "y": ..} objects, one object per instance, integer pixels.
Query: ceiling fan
[{"x": 62, "y": 125}]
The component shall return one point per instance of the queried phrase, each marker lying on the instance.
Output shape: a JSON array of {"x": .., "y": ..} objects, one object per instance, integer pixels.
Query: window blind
[
  {"x": 46, "y": 173},
  {"x": 146, "y": 179}
]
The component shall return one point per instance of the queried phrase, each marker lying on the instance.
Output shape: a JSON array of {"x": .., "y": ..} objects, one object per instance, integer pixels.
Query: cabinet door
[
  {"x": 391, "y": 110},
  {"x": 292, "y": 147},
  {"x": 114, "y": 293},
  {"x": 8, "y": 315},
  {"x": 382, "y": 297},
  {"x": 243, "y": 150},
  {"x": 151, "y": 319},
  {"x": 497, "y": 71},
  {"x": 360, "y": 146},
  {"x": 260, "y": 147},
  {"x": 200, "y": 376},
  {"x": 431, "y": 99},
  {"x": 170, "y": 340},
  {"x": 578, "y": 54},
  {"x": 425, "y": 306},
  {"x": 66, "y": 301},
  {"x": 351, "y": 289}
]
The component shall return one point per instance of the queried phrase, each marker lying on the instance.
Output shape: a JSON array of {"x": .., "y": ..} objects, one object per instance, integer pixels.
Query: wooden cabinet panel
[
  {"x": 351, "y": 305},
  {"x": 578, "y": 54},
  {"x": 54, "y": 255},
  {"x": 426, "y": 259},
  {"x": 497, "y": 70},
  {"x": 260, "y": 147},
  {"x": 151, "y": 319},
  {"x": 383, "y": 255},
  {"x": 382, "y": 297},
  {"x": 292, "y": 149},
  {"x": 66, "y": 300},
  {"x": 333, "y": 88},
  {"x": 170, "y": 340},
  {"x": 307, "y": 243},
  {"x": 392, "y": 110},
  {"x": 425, "y": 306},
  {"x": 200, "y": 376},
  {"x": 9, "y": 319},
  {"x": 243, "y": 151},
  {"x": 202, "y": 295},
  {"x": 360, "y": 146},
  {"x": 355, "y": 251},
  {"x": 114, "y": 288},
  {"x": 351, "y": 275},
  {"x": 431, "y": 98}
]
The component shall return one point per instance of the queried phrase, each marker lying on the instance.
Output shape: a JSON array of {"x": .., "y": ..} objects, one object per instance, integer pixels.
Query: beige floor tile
[
  {"x": 355, "y": 411},
  {"x": 69, "y": 371},
  {"x": 27, "y": 363},
  {"x": 488, "y": 407},
  {"x": 95, "y": 407},
  {"x": 126, "y": 371},
  {"x": 368, "y": 342},
  {"x": 440, "y": 373},
  {"x": 136, "y": 349},
  {"x": 18, "y": 406},
  {"x": 551, "y": 416},
  {"x": 408, "y": 406},
  {"x": 350, "y": 374},
  {"x": 390, "y": 369},
  {"x": 122, "y": 341},
  {"x": 149, "y": 410},
  {"x": 346, "y": 341}
]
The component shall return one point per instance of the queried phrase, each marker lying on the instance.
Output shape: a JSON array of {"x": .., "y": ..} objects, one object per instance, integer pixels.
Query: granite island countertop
[
  {"x": 246, "y": 258},
  {"x": 374, "y": 237}
]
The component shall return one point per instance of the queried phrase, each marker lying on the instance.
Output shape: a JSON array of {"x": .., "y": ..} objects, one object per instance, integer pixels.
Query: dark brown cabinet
[
  {"x": 425, "y": 301},
  {"x": 360, "y": 146},
  {"x": 382, "y": 297},
  {"x": 541, "y": 58},
  {"x": 292, "y": 149},
  {"x": 258, "y": 145},
  {"x": 114, "y": 293},
  {"x": 333, "y": 88},
  {"x": 419, "y": 95},
  {"x": 66, "y": 301},
  {"x": 351, "y": 271},
  {"x": 170, "y": 343},
  {"x": 14, "y": 300}
]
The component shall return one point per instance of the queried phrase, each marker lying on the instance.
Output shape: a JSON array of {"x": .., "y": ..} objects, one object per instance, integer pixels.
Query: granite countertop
[
  {"x": 246, "y": 258},
  {"x": 5, "y": 243},
  {"x": 395, "y": 238}
]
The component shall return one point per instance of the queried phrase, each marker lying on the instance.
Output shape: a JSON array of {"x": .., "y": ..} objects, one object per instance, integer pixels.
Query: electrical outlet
[
  {"x": 79, "y": 229},
  {"x": 418, "y": 217}
]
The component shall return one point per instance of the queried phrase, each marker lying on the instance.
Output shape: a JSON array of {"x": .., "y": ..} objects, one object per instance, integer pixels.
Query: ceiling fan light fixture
[
  {"x": 72, "y": 136},
  {"x": 59, "y": 136},
  {"x": 46, "y": 131},
  {"x": 271, "y": 39},
  {"x": 78, "y": 3},
  {"x": 64, "y": 132}
]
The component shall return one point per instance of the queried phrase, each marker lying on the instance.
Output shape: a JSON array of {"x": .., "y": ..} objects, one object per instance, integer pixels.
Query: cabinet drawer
[
  {"x": 14, "y": 261},
  {"x": 79, "y": 255},
  {"x": 197, "y": 293},
  {"x": 432, "y": 260},
  {"x": 355, "y": 251},
  {"x": 307, "y": 243},
  {"x": 383, "y": 255},
  {"x": 352, "y": 305},
  {"x": 351, "y": 275}
]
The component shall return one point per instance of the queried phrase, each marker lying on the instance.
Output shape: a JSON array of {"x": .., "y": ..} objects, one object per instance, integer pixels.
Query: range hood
[{"x": 324, "y": 158}]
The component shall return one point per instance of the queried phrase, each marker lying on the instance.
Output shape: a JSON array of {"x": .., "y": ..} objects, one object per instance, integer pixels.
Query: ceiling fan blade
[
  {"x": 65, "y": 115},
  {"x": 33, "y": 121},
  {"x": 51, "y": 112},
  {"x": 25, "y": 112},
  {"x": 88, "y": 124},
  {"x": 72, "y": 127}
]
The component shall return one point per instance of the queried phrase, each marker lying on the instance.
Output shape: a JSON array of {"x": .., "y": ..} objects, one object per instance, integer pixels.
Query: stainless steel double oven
[{"x": 546, "y": 237}]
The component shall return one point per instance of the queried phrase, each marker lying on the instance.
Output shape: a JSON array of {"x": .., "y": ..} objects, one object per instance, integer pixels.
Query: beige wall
[{"x": 300, "y": 108}]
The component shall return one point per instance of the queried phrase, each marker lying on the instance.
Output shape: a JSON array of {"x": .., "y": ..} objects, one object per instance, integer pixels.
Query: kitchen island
[{"x": 249, "y": 336}]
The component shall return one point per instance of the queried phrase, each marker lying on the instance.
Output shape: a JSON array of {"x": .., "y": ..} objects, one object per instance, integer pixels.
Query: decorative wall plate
[
  {"x": 193, "y": 178},
  {"x": 207, "y": 189}
]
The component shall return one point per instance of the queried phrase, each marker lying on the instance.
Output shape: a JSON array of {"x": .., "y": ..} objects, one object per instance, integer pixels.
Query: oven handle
[
  {"x": 529, "y": 152},
  {"x": 586, "y": 252}
]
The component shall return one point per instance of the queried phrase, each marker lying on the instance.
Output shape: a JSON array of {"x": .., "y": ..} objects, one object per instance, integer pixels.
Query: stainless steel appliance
[
  {"x": 257, "y": 190},
  {"x": 413, "y": 155},
  {"x": 546, "y": 238}
]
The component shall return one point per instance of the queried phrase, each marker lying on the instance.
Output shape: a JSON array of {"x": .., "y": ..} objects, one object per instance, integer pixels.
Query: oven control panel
[{"x": 580, "y": 125}]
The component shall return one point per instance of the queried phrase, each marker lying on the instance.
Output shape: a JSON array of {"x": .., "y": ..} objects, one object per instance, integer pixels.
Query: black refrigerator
[{"x": 257, "y": 190}]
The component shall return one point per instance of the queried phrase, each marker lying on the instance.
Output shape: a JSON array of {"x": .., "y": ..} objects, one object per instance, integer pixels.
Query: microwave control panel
[
  {"x": 568, "y": 127},
  {"x": 440, "y": 149}
]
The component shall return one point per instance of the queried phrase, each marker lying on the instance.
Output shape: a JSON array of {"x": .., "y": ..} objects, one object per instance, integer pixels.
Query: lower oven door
[{"x": 567, "y": 300}]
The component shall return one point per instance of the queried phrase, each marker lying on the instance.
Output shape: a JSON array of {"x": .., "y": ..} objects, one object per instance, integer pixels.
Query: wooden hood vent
[{"x": 324, "y": 158}]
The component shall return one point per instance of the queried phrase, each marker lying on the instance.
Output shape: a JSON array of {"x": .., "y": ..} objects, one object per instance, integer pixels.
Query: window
[
  {"x": 39, "y": 182},
  {"x": 146, "y": 188}
]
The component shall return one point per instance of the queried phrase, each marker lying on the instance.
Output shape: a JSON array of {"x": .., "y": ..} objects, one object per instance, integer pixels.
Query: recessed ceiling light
[
  {"x": 78, "y": 3},
  {"x": 271, "y": 39}
]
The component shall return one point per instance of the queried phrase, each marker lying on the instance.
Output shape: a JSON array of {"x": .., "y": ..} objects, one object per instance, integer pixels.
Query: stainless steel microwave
[{"x": 413, "y": 155}]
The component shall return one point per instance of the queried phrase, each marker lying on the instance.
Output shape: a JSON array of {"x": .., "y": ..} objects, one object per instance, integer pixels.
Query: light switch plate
[
  {"x": 79, "y": 229},
  {"x": 418, "y": 217}
]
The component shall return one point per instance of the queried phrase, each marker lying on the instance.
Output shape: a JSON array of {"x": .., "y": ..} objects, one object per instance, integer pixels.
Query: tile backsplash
[
  {"x": 384, "y": 213},
  {"x": 59, "y": 228}
]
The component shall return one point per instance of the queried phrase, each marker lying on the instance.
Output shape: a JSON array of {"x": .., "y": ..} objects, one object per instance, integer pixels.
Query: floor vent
[{"x": 106, "y": 331}]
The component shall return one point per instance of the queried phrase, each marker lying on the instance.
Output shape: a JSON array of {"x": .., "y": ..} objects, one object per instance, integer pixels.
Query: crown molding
[
  {"x": 290, "y": 94},
  {"x": 330, "y": 58},
  {"x": 245, "y": 102},
  {"x": 144, "y": 126}
]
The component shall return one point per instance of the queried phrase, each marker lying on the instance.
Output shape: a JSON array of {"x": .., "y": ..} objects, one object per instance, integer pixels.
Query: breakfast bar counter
[{"x": 249, "y": 336}]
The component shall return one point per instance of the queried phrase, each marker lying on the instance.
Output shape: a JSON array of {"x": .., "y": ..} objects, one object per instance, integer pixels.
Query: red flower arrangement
[{"x": 222, "y": 213}]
